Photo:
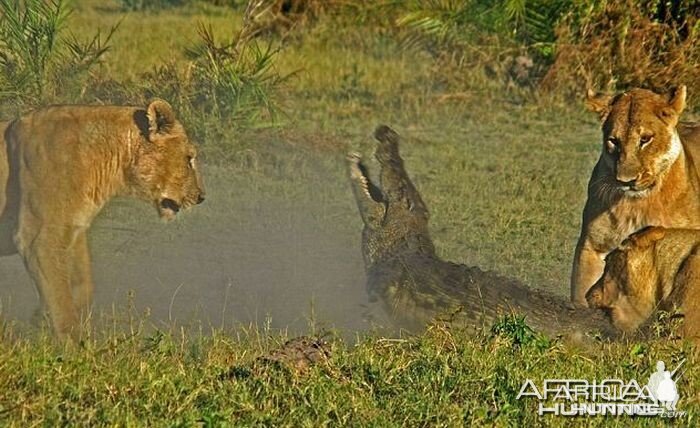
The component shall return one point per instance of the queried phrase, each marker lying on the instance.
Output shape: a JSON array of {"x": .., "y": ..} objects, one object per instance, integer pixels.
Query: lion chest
[{"x": 629, "y": 215}]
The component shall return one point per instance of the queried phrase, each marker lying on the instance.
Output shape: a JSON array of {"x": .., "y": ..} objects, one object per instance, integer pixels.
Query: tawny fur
[
  {"x": 647, "y": 175},
  {"x": 654, "y": 269},
  {"x": 60, "y": 165}
]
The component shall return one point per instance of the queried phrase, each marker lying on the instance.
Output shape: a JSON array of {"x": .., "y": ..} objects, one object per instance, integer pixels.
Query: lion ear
[
  {"x": 161, "y": 118},
  {"x": 677, "y": 99},
  {"x": 598, "y": 103}
]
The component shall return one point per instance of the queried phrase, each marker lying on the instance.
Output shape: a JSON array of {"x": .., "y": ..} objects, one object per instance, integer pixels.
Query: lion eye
[
  {"x": 645, "y": 139},
  {"x": 611, "y": 144},
  {"x": 190, "y": 162}
]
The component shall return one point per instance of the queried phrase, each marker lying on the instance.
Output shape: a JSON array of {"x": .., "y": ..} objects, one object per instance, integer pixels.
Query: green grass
[
  {"x": 441, "y": 378},
  {"x": 505, "y": 180},
  {"x": 148, "y": 39}
]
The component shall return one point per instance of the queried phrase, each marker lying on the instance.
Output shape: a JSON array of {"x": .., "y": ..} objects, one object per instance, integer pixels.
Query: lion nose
[{"x": 200, "y": 199}]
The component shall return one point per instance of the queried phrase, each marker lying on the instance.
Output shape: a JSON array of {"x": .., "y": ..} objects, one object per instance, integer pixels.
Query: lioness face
[
  {"x": 167, "y": 169},
  {"x": 614, "y": 291},
  {"x": 606, "y": 291},
  {"x": 639, "y": 138},
  {"x": 173, "y": 176}
]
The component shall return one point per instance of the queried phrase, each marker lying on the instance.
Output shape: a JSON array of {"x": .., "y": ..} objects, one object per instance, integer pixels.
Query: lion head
[
  {"x": 165, "y": 170},
  {"x": 628, "y": 287},
  {"x": 640, "y": 141}
]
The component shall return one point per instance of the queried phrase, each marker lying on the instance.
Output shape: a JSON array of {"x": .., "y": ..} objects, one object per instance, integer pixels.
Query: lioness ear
[
  {"x": 598, "y": 103},
  {"x": 161, "y": 118},
  {"x": 611, "y": 291},
  {"x": 677, "y": 99}
]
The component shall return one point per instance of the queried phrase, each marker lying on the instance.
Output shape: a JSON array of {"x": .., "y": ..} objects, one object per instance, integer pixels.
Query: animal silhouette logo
[{"x": 663, "y": 387}]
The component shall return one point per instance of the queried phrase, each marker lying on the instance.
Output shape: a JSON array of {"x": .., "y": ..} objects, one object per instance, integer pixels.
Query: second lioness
[
  {"x": 654, "y": 269},
  {"x": 60, "y": 165},
  {"x": 647, "y": 175},
  {"x": 415, "y": 285}
]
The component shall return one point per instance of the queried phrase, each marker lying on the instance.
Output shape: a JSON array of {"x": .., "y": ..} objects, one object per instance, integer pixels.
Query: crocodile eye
[
  {"x": 612, "y": 145},
  {"x": 645, "y": 139}
]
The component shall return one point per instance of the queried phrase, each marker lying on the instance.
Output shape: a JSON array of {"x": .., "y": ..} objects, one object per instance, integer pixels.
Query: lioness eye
[
  {"x": 190, "y": 161},
  {"x": 611, "y": 144},
  {"x": 645, "y": 139}
]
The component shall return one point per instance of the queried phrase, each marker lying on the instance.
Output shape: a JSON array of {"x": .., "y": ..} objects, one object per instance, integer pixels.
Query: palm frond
[{"x": 36, "y": 60}]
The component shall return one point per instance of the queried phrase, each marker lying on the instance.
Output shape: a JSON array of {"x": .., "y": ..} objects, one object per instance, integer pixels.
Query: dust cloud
[{"x": 277, "y": 254}]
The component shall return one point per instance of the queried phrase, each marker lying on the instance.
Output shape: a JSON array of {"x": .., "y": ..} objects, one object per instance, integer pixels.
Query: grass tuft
[{"x": 39, "y": 61}]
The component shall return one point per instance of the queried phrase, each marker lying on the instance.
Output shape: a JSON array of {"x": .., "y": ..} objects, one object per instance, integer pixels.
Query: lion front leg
[
  {"x": 47, "y": 253},
  {"x": 588, "y": 267},
  {"x": 81, "y": 276}
]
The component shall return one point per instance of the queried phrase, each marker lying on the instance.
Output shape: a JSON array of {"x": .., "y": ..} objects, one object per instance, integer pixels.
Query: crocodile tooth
[{"x": 365, "y": 186}]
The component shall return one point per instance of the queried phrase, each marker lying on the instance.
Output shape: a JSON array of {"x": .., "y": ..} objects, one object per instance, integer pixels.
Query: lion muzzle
[{"x": 168, "y": 208}]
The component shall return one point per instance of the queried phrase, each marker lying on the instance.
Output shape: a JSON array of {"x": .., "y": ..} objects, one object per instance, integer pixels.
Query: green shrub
[
  {"x": 562, "y": 46},
  {"x": 512, "y": 40},
  {"x": 220, "y": 88},
  {"x": 464, "y": 25},
  {"x": 38, "y": 62},
  {"x": 223, "y": 86},
  {"x": 233, "y": 81},
  {"x": 617, "y": 45},
  {"x": 515, "y": 329}
]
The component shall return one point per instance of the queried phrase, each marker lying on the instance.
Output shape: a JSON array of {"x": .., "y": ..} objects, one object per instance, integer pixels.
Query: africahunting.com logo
[{"x": 608, "y": 397}]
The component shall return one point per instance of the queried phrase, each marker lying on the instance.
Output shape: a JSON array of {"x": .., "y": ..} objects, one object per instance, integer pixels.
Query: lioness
[
  {"x": 647, "y": 175},
  {"x": 60, "y": 165},
  {"x": 655, "y": 268}
]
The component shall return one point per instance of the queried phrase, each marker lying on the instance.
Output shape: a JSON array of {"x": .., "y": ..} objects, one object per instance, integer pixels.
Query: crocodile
[{"x": 416, "y": 287}]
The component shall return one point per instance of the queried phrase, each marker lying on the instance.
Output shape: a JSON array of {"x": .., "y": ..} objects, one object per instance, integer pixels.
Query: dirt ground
[{"x": 273, "y": 254}]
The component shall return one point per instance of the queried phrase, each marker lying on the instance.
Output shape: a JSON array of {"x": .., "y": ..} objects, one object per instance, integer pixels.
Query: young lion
[
  {"x": 60, "y": 165},
  {"x": 647, "y": 175},
  {"x": 655, "y": 268}
]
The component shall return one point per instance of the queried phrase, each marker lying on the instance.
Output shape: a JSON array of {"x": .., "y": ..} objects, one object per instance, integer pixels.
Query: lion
[
  {"x": 654, "y": 269},
  {"x": 647, "y": 175},
  {"x": 60, "y": 165}
]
